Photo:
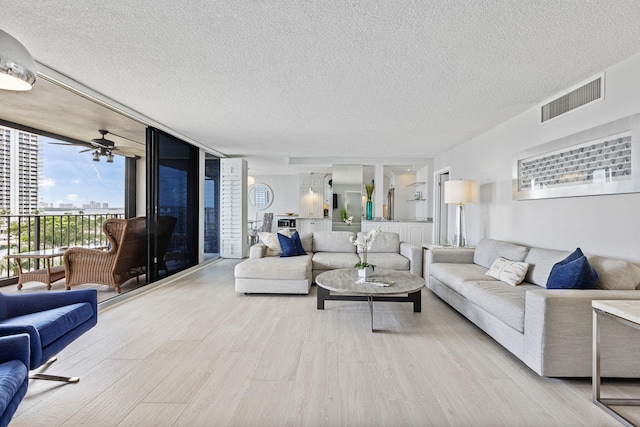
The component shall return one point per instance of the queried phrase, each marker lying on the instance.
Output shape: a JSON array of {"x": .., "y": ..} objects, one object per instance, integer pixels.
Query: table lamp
[{"x": 460, "y": 192}]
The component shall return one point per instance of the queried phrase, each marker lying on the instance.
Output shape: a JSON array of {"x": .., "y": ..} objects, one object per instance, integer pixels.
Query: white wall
[
  {"x": 286, "y": 196},
  {"x": 605, "y": 225},
  {"x": 404, "y": 209}
]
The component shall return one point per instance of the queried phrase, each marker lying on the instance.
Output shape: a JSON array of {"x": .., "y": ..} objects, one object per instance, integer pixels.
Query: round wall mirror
[{"x": 260, "y": 196}]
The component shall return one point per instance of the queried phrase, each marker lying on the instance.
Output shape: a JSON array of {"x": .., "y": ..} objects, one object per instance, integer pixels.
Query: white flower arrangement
[
  {"x": 348, "y": 220},
  {"x": 364, "y": 246}
]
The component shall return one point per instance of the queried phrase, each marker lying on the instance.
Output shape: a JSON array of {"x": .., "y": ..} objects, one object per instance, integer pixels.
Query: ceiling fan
[
  {"x": 103, "y": 147},
  {"x": 100, "y": 147}
]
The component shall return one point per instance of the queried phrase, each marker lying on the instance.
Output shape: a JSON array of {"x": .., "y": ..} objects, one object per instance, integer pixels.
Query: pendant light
[{"x": 17, "y": 67}]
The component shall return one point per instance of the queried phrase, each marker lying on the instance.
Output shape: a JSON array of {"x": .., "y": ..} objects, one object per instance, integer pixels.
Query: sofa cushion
[
  {"x": 384, "y": 242},
  {"x": 333, "y": 241},
  {"x": 13, "y": 374},
  {"x": 615, "y": 273},
  {"x": 291, "y": 246},
  {"x": 307, "y": 242},
  {"x": 508, "y": 271},
  {"x": 273, "y": 242},
  {"x": 573, "y": 272},
  {"x": 295, "y": 268},
  {"x": 55, "y": 322},
  {"x": 488, "y": 250},
  {"x": 334, "y": 260},
  {"x": 499, "y": 299},
  {"x": 454, "y": 275},
  {"x": 391, "y": 261},
  {"x": 541, "y": 261}
]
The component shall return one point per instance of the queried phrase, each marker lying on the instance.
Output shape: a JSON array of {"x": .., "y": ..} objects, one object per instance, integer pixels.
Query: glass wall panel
[
  {"x": 172, "y": 204},
  {"x": 211, "y": 207}
]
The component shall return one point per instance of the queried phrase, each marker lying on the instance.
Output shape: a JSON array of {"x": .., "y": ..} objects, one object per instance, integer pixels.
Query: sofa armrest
[
  {"x": 258, "y": 250},
  {"x": 451, "y": 255},
  {"x": 561, "y": 319},
  {"x": 15, "y": 347},
  {"x": 19, "y": 304},
  {"x": 414, "y": 254}
]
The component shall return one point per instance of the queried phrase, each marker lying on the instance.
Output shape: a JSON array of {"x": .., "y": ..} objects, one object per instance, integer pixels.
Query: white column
[{"x": 379, "y": 197}]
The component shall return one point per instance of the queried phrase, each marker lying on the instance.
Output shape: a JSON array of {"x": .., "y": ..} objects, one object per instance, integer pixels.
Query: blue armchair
[
  {"x": 52, "y": 319},
  {"x": 14, "y": 374}
]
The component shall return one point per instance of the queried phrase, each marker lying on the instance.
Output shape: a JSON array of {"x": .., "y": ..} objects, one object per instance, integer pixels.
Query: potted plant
[{"x": 365, "y": 269}]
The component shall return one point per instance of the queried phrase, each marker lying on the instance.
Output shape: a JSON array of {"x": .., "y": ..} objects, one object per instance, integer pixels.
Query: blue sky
[{"x": 69, "y": 176}]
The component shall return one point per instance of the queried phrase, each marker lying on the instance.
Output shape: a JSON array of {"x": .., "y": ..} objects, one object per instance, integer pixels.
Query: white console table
[{"x": 626, "y": 312}]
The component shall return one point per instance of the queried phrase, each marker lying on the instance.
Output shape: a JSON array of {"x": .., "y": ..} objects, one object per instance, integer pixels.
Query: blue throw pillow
[
  {"x": 573, "y": 272},
  {"x": 296, "y": 241},
  {"x": 291, "y": 246}
]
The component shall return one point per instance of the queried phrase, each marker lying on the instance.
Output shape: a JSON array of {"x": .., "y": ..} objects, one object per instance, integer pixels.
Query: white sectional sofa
[
  {"x": 326, "y": 250},
  {"x": 550, "y": 330}
]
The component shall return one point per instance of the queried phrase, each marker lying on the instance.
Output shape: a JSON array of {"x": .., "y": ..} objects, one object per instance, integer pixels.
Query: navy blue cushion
[
  {"x": 12, "y": 376},
  {"x": 52, "y": 324},
  {"x": 573, "y": 272},
  {"x": 291, "y": 246}
]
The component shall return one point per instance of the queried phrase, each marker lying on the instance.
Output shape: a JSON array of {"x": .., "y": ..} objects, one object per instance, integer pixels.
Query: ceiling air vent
[{"x": 585, "y": 94}]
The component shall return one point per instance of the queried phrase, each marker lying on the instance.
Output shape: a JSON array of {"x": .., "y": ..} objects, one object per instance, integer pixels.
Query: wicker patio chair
[{"x": 125, "y": 259}]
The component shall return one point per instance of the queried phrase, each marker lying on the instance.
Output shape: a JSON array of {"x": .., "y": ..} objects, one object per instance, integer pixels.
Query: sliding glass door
[{"x": 172, "y": 204}]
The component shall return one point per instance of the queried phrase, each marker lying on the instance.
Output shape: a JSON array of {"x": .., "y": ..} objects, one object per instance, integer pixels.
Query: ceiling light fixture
[
  {"x": 17, "y": 67},
  {"x": 96, "y": 156},
  {"x": 109, "y": 157}
]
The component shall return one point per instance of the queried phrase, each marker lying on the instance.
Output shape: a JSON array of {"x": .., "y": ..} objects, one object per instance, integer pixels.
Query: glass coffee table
[{"x": 343, "y": 285}]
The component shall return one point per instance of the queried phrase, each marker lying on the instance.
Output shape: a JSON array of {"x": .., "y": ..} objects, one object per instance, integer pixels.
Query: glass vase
[{"x": 369, "y": 214}]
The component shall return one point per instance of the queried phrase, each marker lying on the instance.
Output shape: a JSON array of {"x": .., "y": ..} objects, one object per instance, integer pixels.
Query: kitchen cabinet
[
  {"x": 311, "y": 225},
  {"x": 414, "y": 232},
  {"x": 311, "y": 197}
]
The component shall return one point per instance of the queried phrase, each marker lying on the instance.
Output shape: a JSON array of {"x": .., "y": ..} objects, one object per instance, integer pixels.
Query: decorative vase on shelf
[
  {"x": 369, "y": 210},
  {"x": 365, "y": 272}
]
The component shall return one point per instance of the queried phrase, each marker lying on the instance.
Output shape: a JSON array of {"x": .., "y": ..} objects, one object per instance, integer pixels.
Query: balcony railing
[{"x": 25, "y": 233}]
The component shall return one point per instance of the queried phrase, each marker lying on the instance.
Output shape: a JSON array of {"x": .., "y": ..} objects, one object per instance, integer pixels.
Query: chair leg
[{"x": 47, "y": 377}]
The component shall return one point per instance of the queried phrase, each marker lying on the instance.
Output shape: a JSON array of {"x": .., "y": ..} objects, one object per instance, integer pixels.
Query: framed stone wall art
[{"x": 601, "y": 160}]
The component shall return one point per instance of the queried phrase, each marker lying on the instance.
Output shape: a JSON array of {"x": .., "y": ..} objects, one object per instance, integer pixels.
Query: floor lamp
[{"x": 460, "y": 192}]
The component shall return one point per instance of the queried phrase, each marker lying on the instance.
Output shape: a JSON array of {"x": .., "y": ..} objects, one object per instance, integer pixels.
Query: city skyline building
[{"x": 20, "y": 168}]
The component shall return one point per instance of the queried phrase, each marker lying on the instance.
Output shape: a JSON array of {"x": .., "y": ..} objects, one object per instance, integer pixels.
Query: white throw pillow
[
  {"x": 507, "y": 271},
  {"x": 272, "y": 242}
]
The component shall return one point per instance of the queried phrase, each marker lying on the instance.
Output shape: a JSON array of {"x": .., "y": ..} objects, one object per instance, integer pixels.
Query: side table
[
  {"x": 626, "y": 312},
  {"x": 45, "y": 275}
]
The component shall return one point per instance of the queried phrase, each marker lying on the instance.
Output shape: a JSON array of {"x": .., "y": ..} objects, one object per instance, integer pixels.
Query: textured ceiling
[{"x": 327, "y": 78}]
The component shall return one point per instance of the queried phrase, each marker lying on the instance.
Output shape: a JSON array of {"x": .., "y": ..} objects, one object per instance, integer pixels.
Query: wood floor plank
[
  {"x": 153, "y": 414},
  {"x": 220, "y": 396},
  {"x": 315, "y": 396}
]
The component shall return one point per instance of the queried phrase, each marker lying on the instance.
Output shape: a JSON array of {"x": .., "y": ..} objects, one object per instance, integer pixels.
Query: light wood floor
[{"x": 195, "y": 353}]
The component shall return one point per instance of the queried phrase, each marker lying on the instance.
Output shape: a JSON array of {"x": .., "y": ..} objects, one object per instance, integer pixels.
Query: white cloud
[
  {"x": 73, "y": 197},
  {"x": 76, "y": 181},
  {"x": 47, "y": 183}
]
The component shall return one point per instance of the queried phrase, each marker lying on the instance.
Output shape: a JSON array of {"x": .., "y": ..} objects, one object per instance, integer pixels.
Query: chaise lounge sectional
[
  {"x": 550, "y": 330},
  {"x": 267, "y": 272}
]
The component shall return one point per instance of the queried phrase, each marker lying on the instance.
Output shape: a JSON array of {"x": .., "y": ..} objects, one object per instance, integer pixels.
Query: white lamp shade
[
  {"x": 17, "y": 67},
  {"x": 461, "y": 191}
]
